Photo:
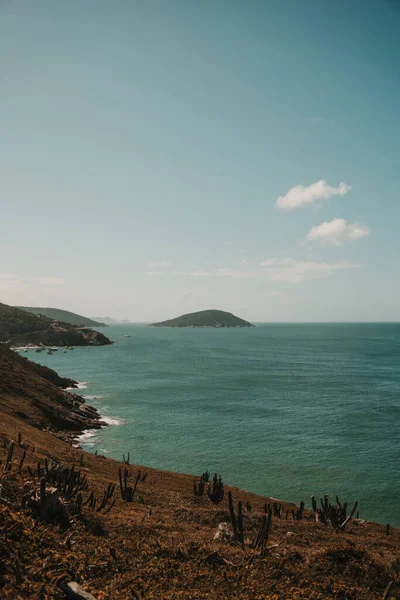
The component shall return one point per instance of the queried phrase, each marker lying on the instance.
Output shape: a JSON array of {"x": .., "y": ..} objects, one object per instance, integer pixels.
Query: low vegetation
[
  {"x": 19, "y": 327},
  {"x": 64, "y": 316}
]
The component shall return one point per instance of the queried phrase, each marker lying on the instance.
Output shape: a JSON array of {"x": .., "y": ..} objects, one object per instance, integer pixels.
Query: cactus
[
  {"x": 216, "y": 493},
  {"x": 206, "y": 476},
  {"x": 262, "y": 535},
  {"x": 300, "y": 510},
  {"x": 237, "y": 523},
  {"x": 127, "y": 491},
  {"x": 334, "y": 514},
  {"x": 10, "y": 453},
  {"x": 277, "y": 510},
  {"x": 108, "y": 493},
  {"x": 21, "y": 462},
  {"x": 314, "y": 504},
  {"x": 198, "y": 490},
  {"x": 78, "y": 503}
]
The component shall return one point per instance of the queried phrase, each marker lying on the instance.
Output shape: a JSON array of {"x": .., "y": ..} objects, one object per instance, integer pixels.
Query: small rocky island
[{"x": 205, "y": 318}]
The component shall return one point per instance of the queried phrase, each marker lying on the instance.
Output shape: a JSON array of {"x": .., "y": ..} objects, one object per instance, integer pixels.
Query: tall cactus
[
  {"x": 263, "y": 532},
  {"x": 236, "y": 522},
  {"x": 216, "y": 492},
  {"x": 10, "y": 453}
]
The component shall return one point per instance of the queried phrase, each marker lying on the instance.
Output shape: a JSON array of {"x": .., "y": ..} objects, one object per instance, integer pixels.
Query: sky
[{"x": 163, "y": 157}]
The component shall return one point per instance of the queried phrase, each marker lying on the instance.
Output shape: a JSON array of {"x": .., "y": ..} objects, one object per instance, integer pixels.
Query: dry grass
[{"x": 162, "y": 545}]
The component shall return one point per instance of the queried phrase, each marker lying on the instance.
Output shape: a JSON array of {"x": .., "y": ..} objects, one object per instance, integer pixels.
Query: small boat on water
[
  {"x": 54, "y": 349},
  {"x": 49, "y": 352},
  {"x": 25, "y": 349},
  {"x": 126, "y": 335}
]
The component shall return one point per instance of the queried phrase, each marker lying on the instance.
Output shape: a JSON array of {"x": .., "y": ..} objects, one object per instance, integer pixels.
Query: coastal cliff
[
  {"x": 36, "y": 395},
  {"x": 69, "y": 519}
]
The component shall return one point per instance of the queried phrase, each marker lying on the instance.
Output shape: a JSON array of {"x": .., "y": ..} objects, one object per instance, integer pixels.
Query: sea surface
[{"x": 287, "y": 410}]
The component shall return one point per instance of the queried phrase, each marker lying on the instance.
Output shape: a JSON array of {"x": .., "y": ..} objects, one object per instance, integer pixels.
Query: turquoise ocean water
[{"x": 283, "y": 410}]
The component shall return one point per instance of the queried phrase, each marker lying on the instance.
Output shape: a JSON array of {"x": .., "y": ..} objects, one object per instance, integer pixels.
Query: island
[
  {"x": 21, "y": 328},
  {"x": 205, "y": 318}
]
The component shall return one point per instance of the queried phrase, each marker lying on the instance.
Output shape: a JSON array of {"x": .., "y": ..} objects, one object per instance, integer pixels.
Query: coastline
[{"x": 171, "y": 536}]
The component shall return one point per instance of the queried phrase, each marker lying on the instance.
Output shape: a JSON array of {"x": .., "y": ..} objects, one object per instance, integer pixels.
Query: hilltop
[
  {"x": 19, "y": 327},
  {"x": 105, "y": 320},
  {"x": 65, "y": 515},
  {"x": 205, "y": 318},
  {"x": 65, "y": 316}
]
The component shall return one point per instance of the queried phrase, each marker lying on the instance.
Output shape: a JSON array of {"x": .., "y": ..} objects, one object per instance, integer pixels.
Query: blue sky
[{"x": 152, "y": 153}]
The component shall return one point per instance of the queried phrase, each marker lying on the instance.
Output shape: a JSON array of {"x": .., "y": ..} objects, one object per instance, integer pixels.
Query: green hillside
[
  {"x": 205, "y": 318},
  {"x": 19, "y": 327},
  {"x": 65, "y": 316}
]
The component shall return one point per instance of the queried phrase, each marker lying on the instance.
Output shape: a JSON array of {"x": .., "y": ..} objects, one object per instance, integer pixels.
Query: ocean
[{"x": 284, "y": 410}]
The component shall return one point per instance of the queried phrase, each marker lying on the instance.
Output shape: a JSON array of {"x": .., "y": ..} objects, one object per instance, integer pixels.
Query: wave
[
  {"x": 82, "y": 385},
  {"x": 112, "y": 420},
  {"x": 86, "y": 437}
]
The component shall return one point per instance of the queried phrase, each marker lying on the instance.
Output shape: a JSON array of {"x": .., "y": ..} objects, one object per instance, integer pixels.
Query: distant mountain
[
  {"x": 19, "y": 327},
  {"x": 65, "y": 316},
  {"x": 205, "y": 318},
  {"x": 106, "y": 320}
]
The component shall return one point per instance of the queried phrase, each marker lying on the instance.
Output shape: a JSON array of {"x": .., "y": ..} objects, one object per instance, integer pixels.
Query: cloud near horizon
[
  {"x": 294, "y": 271},
  {"x": 300, "y": 195},
  {"x": 159, "y": 264},
  {"x": 287, "y": 270},
  {"x": 337, "y": 232},
  {"x": 48, "y": 280}
]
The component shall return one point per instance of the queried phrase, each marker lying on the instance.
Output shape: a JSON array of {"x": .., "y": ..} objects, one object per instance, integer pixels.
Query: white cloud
[
  {"x": 293, "y": 271},
  {"x": 236, "y": 274},
  {"x": 243, "y": 262},
  {"x": 159, "y": 264},
  {"x": 301, "y": 196},
  {"x": 48, "y": 280},
  {"x": 337, "y": 232},
  {"x": 199, "y": 274}
]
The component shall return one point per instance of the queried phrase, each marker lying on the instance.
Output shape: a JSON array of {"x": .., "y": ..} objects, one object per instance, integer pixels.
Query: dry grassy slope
[{"x": 162, "y": 546}]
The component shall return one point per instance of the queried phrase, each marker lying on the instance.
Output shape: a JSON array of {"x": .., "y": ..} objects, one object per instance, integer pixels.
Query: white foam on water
[
  {"x": 86, "y": 437},
  {"x": 82, "y": 385},
  {"x": 112, "y": 420},
  {"x": 92, "y": 397}
]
